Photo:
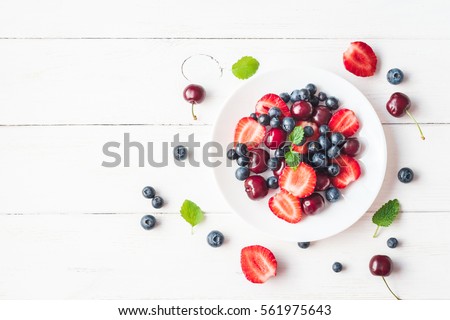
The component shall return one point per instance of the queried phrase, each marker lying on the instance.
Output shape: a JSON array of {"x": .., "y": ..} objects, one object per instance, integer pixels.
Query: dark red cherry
[
  {"x": 351, "y": 147},
  {"x": 194, "y": 94},
  {"x": 321, "y": 115},
  {"x": 380, "y": 265},
  {"x": 256, "y": 187},
  {"x": 313, "y": 203},
  {"x": 322, "y": 182},
  {"x": 275, "y": 138},
  {"x": 258, "y": 160},
  {"x": 302, "y": 110},
  {"x": 399, "y": 104},
  {"x": 280, "y": 168}
]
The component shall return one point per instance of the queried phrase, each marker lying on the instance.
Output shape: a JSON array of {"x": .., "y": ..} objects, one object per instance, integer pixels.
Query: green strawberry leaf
[
  {"x": 191, "y": 213},
  {"x": 292, "y": 159},
  {"x": 297, "y": 135},
  {"x": 245, "y": 67},
  {"x": 386, "y": 215}
]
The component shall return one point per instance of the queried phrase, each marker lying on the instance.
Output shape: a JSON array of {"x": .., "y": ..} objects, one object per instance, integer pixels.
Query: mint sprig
[
  {"x": 297, "y": 135},
  {"x": 245, "y": 67},
  {"x": 386, "y": 215},
  {"x": 191, "y": 213},
  {"x": 292, "y": 159}
]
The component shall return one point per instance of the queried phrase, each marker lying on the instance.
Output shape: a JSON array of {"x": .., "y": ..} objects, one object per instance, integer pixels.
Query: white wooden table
[{"x": 77, "y": 74}]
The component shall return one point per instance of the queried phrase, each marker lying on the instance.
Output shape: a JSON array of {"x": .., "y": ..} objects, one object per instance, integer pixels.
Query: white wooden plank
[
  {"x": 111, "y": 256},
  {"x": 139, "y": 81},
  {"x": 58, "y": 170},
  {"x": 200, "y": 18}
]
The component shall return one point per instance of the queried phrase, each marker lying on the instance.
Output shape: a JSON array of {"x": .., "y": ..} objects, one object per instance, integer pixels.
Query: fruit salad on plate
[{"x": 307, "y": 143}]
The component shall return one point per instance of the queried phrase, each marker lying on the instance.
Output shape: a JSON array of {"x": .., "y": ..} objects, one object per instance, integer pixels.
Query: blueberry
[
  {"x": 288, "y": 124},
  {"x": 314, "y": 147},
  {"x": 280, "y": 152},
  {"x": 241, "y": 149},
  {"x": 337, "y": 267},
  {"x": 311, "y": 88},
  {"x": 332, "y": 103},
  {"x": 242, "y": 173},
  {"x": 148, "y": 192},
  {"x": 333, "y": 152},
  {"x": 324, "y": 142},
  {"x": 148, "y": 222},
  {"x": 303, "y": 245},
  {"x": 405, "y": 175},
  {"x": 322, "y": 96},
  {"x": 332, "y": 194},
  {"x": 254, "y": 116},
  {"x": 286, "y": 97},
  {"x": 337, "y": 138},
  {"x": 319, "y": 159},
  {"x": 274, "y": 112},
  {"x": 333, "y": 169},
  {"x": 324, "y": 129},
  {"x": 264, "y": 119},
  {"x": 275, "y": 122},
  {"x": 295, "y": 96},
  {"x": 392, "y": 243},
  {"x": 272, "y": 182},
  {"x": 272, "y": 163},
  {"x": 180, "y": 153},
  {"x": 157, "y": 202},
  {"x": 243, "y": 161},
  {"x": 308, "y": 130},
  {"x": 394, "y": 76},
  {"x": 215, "y": 238},
  {"x": 232, "y": 154},
  {"x": 304, "y": 94},
  {"x": 314, "y": 101}
]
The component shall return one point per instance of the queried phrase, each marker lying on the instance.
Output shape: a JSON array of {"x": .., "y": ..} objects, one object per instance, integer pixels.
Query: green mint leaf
[
  {"x": 297, "y": 135},
  {"x": 191, "y": 213},
  {"x": 292, "y": 159},
  {"x": 386, "y": 214},
  {"x": 245, "y": 67}
]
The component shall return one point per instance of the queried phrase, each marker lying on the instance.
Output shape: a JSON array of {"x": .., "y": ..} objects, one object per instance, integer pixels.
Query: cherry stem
[
  {"x": 385, "y": 282},
  {"x": 417, "y": 124},
  {"x": 376, "y": 231},
  {"x": 192, "y": 110}
]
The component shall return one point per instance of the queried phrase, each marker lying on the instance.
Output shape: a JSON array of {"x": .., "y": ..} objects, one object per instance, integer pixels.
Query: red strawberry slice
[
  {"x": 304, "y": 148},
  {"x": 345, "y": 122},
  {"x": 285, "y": 206},
  {"x": 300, "y": 182},
  {"x": 360, "y": 59},
  {"x": 258, "y": 264},
  {"x": 271, "y": 100},
  {"x": 350, "y": 171},
  {"x": 250, "y": 132}
]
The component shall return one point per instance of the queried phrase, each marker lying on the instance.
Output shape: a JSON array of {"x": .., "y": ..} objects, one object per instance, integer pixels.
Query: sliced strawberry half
[
  {"x": 345, "y": 122},
  {"x": 271, "y": 100},
  {"x": 360, "y": 59},
  {"x": 300, "y": 182},
  {"x": 350, "y": 171},
  {"x": 250, "y": 132},
  {"x": 303, "y": 149},
  {"x": 285, "y": 206},
  {"x": 258, "y": 264}
]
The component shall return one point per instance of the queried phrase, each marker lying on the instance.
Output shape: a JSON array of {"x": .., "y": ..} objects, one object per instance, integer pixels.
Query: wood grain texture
[
  {"x": 58, "y": 170},
  {"x": 201, "y": 18},
  {"x": 111, "y": 256},
  {"x": 139, "y": 81}
]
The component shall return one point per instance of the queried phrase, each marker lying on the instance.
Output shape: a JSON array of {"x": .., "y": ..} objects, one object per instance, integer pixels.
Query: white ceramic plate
[{"x": 356, "y": 198}]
